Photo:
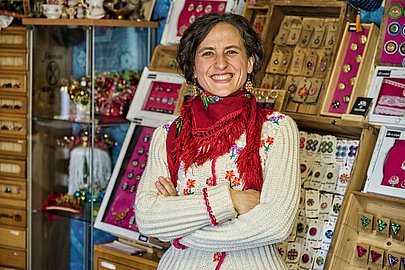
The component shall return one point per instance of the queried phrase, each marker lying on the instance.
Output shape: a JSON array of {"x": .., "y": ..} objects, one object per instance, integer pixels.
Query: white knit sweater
[{"x": 246, "y": 241}]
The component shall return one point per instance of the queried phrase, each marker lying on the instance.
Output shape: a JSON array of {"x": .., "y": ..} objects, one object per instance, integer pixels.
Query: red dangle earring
[{"x": 249, "y": 84}]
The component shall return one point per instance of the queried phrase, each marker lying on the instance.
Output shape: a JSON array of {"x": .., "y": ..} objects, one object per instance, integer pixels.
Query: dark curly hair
[{"x": 197, "y": 32}]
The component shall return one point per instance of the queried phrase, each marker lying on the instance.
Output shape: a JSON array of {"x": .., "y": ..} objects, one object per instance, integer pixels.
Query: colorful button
[
  {"x": 394, "y": 28},
  {"x": 395, "y": 11},
  {"x": 390, "y": 47}
]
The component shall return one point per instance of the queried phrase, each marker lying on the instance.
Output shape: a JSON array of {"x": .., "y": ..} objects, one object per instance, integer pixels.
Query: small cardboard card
[
  {"x": 301, "y": 226},
  {"x": 312, "y": 203},
  {"x": 282, "y": 249},
  {"x": 327, "y": 234},
  {"x": 335, "y": 209},
  {"x": 361, "y": 106},
  {"x": 376, "y": 258},
  {"x": 293, "y": 253},
  {"x": 360, "y": 255},
  {"x": 314, "y": 234},
  {"x": 393, "y": 260},
  {"x": 307, "y": 257},
  {"x": 320, "y": 259},
  {"x": 330, "y": 178},
  {"x": 328, "y": 149},
  {"x": 397, "y": 228},
  {"x": 382, "y": 226},
  {"x": 365, "y": 222},
  {"x": 343, "y": 180},
  {"x": 318, "y": 173},
  {"x": 325, "y": 203}
]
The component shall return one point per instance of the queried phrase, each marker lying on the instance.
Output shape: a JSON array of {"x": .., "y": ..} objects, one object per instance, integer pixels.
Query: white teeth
[{"x": 221, "y": 77}]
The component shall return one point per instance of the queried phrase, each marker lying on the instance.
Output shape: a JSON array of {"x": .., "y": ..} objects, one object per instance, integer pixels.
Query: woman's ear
[{"x": 251, "y": 62}]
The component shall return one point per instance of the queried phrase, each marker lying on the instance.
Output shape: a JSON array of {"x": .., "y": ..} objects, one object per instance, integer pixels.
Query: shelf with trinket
[
  {"x": 334, "y": 155},
  {"x": 82, "y": 165},
  {"x": 351, "y": 70},
  {"x": 371, "y": 235},
  {"x": 83, "y": 80},
  {"x": 300, "y": 45},
  {"x": 183, "y": 12}
]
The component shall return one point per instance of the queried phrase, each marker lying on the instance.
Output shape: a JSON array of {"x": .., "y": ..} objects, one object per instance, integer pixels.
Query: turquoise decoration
[
  {"x": 395, "y": 228},
  {"x": 365, "y": 221},
  {"x": 381, "y": 225}
]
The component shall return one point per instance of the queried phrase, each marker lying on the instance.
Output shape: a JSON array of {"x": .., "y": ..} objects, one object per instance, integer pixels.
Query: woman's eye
[
  {"x": 207, "y": 54},
  {"x": 231, "y": 52}
]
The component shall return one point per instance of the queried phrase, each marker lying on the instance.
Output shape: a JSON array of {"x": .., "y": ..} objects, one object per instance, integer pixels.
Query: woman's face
[{"x": 221, "y": 62}]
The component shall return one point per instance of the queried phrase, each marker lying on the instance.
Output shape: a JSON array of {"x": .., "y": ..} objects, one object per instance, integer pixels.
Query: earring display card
[
  {"x": 116, "y": 214},
  {"x": 156, "y": 97},
  {"x": 388, "y": 93},
  {"x": 393, "y": 33},
  {"x": 386, "y": 172},
  {"x": 183, "y": 13},
  {"x": 351, "y": 69}
]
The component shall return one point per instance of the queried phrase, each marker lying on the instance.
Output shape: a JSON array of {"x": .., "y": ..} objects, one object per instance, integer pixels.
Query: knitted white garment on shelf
[{"x": 79, "y": 169}]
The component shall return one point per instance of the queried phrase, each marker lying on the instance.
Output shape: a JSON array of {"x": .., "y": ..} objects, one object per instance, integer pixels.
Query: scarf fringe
[
  {"x": 253, "y": 174},
  {"x": 198, "y": 145},
  {"x": 208, "y": 144}
]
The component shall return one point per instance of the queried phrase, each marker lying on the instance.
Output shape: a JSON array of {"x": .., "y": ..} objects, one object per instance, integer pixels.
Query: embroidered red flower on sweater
[
  {"x": 217, "y": 257},
  {"x": 190, "y": 183},
  {"x": 270, "y": 140},
  {"x": 210, "y": 181},
  {"x": 229, "y": 175},
  {"x": 235, "y": 182}
]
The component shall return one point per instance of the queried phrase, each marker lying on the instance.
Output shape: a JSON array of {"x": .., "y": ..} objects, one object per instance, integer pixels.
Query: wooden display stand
[
  {"x": 164, "y": 59},
  {"x": 13, "y": 147},
  {"x": 268, "y": 17},
  {"x": 107, "y": 259},
  {"x": 347, "y": 237},
  {"x": 345, "y": 69}
]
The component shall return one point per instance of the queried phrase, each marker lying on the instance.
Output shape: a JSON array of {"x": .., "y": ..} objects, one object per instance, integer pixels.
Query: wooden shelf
[
  {"x": 338, "y": 126},
  {"x": 88, "y": 22}
]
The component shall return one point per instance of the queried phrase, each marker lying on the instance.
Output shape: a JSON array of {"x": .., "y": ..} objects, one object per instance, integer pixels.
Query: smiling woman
[{"x": 221, "y": 182}]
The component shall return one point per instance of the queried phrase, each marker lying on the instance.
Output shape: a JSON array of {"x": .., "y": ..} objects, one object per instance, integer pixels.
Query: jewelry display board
[
  {"x": 351, "y": 69},
  {"x": 392, "y": 34},
  {"x": 388, "y": 93},
  {"x": 156, "y": 97},
  {"x": 386, "y": 172},
  {"x": 184, "y": 12},
  {"x": 116, "y": 214},
  {"x": 300, "y": 40}
]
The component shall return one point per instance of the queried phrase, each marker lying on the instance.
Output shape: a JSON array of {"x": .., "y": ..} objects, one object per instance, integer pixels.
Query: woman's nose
[{"x": 220, "y": 61}]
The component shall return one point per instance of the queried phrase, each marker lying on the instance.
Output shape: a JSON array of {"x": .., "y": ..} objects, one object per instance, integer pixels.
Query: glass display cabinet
[{"x": 83, "y": 76}]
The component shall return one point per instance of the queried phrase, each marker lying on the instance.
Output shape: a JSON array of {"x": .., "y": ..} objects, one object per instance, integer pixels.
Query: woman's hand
[
  {"x": 165, "y": 186},
  {"x": 244, "y": 200}
]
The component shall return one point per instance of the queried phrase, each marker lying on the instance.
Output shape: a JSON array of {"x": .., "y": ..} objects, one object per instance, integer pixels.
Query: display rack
[{"x": 74, "y": 140}]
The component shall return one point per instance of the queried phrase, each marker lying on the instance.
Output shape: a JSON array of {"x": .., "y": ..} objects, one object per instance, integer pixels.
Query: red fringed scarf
[{"x": 208, "y": 127}]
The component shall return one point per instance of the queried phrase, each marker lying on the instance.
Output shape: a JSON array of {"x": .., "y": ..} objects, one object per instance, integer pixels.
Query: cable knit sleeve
[
  {"x": 270, "y": 221},
  {"x": 168, "y": 218}
]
